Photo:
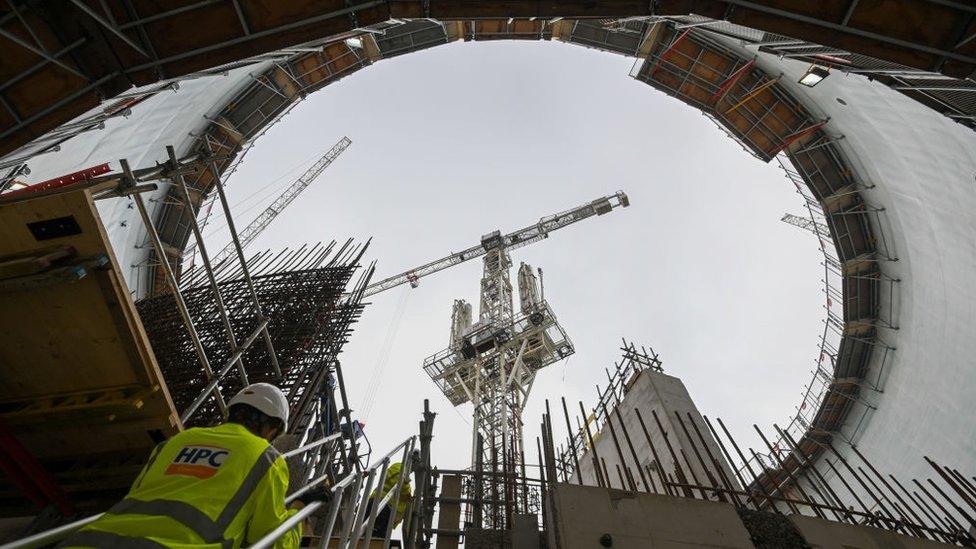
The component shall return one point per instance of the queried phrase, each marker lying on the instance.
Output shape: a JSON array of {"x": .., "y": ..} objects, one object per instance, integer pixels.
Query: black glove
[{"x": 319, "y": 493}]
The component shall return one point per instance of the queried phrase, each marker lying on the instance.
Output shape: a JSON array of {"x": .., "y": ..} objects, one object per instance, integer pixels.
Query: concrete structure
[
  {"x": 585, "y": 516},
  {"x": 659, "y": 399}
]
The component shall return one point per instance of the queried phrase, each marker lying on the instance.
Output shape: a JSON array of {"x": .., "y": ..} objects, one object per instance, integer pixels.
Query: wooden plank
[{"x": 449, "y": 514}]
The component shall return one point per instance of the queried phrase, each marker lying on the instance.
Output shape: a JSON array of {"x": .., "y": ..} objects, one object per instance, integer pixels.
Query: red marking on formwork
[
  {"x": 120, "y": 106},
  {"x": 730, "y": 81},
  {"x": 31, "y": 477},
  {"x": 832, "y": 59},
  {"x": 668, "y": 51},
  {"x": 798, "y": 135},
  {"x": 63, "y": 181}
]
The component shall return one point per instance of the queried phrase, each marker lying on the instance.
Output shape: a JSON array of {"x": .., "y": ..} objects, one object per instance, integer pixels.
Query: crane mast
[
  {"x": 261, "y": 222},
  {"x": 511, "y": 241},
  {"x": 492, "y": 363}
]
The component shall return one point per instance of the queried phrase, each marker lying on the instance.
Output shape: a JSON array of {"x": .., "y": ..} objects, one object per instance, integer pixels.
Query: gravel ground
[{"x": 772, "y": 531}]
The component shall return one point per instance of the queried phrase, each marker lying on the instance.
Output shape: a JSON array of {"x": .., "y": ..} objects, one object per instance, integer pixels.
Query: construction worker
[
  {"x": 213, "y": 487},
  {"x": 383, "y": 517}
]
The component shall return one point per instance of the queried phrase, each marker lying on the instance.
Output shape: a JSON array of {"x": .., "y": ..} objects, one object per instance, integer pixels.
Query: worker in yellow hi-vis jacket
[{"x": 216, "y": 487}]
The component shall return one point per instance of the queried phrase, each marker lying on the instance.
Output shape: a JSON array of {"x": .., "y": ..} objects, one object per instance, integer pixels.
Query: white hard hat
[{"x": 265, "y": 397}]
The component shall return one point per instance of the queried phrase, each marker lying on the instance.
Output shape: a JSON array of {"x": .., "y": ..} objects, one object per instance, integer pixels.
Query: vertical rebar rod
[
  {"x": 942, "y": 525},
  {"x": 877, "y": 474},
  {"x": 572, "y": 447},
  {"x": 679, "y": 472},
  {"x": 857, "y": 498},
  {"x": 548, "y": 444},
  {"x": 542, "y": 468},
  {"x": 882, "y": 511},
  {"x": 479, "y": 485},
  {"x": 805, "y": 464},
  {"x": 225, "y": 206},
  {"x": 701, "y": 461},
  {"x": 620, "y": 474},
  {"x": 180, "y": 183},
  {"x": 919, "y": 524},
  {"x": 742, "y": 457},
  {"x": 948, "y": 516},
  {"x": 650, "y": 476},
  {"x": 962, "y": 512},
  {"x": 719, "y": 470},
  {"x": 806, "y": 458},
  {"x": 595, "y": 455},
  {"x": 616, "y": 442},
  {"x": 657, "y": 460},
  {"x": 885, "y": 484},
  {"x": 701, "y": 485},
  {"x": 915, "y": 515},
  {"x": 952, "y": 483},
  {"x": 782, "y": 465},
  {"x": 606, "y": 475},
  {"x": 157, "y": 245},
  {"x": 776, "y": 487},
  {"x": 970, "y": 487},
  {"x": 735, "y": 471},
  {"x": 525, "y": 478},
  {"x": 899, "y": 515},
  {"x": 633, "y": 453}
]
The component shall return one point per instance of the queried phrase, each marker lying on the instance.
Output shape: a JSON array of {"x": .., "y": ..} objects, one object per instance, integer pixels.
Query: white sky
[{"x": 451, "y": 143}]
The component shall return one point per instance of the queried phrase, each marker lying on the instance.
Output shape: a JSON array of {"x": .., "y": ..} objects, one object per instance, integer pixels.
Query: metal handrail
[
  {"x": 356, "y": 524},
  {"x": 310, "y": 445},
  {"x": 53, "y": 535}
]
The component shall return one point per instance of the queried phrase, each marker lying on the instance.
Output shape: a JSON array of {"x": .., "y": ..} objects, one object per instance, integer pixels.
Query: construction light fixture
[
  {"x": 355, "y": 43},
  {"x": 814, "y": 75}
]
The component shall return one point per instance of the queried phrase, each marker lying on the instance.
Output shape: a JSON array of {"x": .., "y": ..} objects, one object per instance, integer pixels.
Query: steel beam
[
  {"x": 111, "y": 28},
  {"x": 240, "y": 256},
  {"x": 180, "y": 183},
  {"x": 253, "y": 36},
  {"x": 157, "y": 245}
]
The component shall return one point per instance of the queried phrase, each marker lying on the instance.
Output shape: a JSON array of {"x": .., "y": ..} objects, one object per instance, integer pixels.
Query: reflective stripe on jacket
[{"x": 214, "y": 487}]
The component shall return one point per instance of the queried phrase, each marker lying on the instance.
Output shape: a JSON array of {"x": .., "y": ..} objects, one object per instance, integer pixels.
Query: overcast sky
[{"x": 451, "y": 143}]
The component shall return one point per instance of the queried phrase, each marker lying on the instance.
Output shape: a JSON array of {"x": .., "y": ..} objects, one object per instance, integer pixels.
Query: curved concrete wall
[{"x": 922, "y": 167}]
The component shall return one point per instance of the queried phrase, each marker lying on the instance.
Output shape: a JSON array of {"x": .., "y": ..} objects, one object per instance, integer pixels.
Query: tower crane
[
  {"x": 265, "y": 218},
  {"x": 492, "y": 363},
  {"x": 511, "y": 241},
  {"x": 807, "y": 224}
]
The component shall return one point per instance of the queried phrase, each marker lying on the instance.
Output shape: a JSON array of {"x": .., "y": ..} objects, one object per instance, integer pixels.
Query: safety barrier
[{"x": 356, "y": 525}]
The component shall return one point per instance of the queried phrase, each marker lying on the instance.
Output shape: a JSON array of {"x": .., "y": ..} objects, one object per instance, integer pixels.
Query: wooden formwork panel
[
  {"x": 851, "y": 232},
  {"x": 853, "y": 355},
  {"x": 861, "y": 297},
  {"x": 335, "y": 59},
  {"x": 745, "y": 100},
  {"x": 759, "y": 115},
  {"x": 77, "y": 370},
  {"x": 688, "y": 69},
  {"x": 499, "y": 29},
  {"x": 821, "y": 167}
]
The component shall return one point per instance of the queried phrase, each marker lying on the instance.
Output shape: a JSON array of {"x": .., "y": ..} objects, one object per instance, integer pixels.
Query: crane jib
[{"x": 516, "y": 239}]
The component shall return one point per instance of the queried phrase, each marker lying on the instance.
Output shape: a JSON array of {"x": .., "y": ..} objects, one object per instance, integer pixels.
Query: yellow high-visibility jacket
[
  {"x": 214, "y": 487},
  {"x": 389, "y": 483}
]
